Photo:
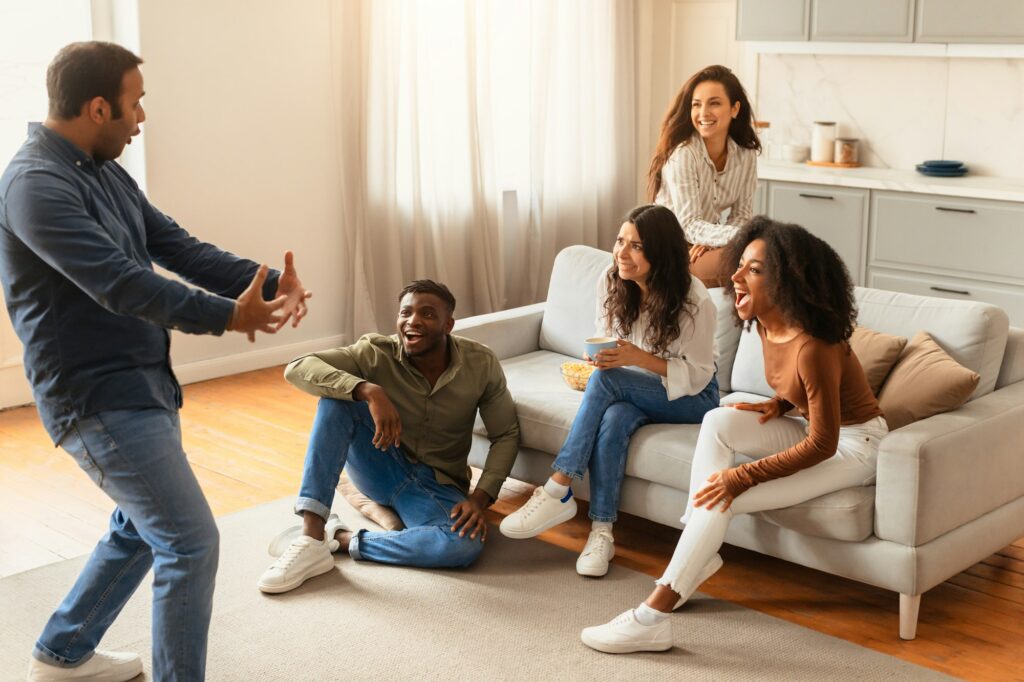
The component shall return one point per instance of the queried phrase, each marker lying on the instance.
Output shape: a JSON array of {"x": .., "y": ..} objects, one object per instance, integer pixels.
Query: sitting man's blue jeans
[
  {"x": 161, "y": 520},
  {"x": 616, "y": 403},
  {"x": 342, "y": 437}
]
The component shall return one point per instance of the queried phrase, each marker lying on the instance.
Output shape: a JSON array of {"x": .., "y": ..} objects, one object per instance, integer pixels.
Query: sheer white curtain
[{"x": 442, "y": 108}]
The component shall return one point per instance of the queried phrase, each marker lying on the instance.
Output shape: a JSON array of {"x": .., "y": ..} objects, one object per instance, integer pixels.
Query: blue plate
[
  {"x": 941, "y": 163},
  {"x": 942, "y": 172}
]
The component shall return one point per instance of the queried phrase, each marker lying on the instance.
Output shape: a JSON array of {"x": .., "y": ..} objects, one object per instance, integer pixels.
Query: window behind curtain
[{"x": 31, "y": 33}]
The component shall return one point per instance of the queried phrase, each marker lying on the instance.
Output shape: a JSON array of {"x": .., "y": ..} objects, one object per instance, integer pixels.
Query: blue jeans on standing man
[
  {"x": 342, "y": 437},
  {"x": 161, "y": 520},
  {"x": 616, "y": 403}
]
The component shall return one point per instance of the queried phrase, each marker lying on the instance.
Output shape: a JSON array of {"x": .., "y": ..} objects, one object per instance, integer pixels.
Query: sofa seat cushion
[{"x": 843, "y": 515}]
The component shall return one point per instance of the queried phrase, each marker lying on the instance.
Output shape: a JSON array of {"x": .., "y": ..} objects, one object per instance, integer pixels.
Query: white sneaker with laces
[
  {"x": 596, "y": 554},
  {"x": 710, "y": 568},
  {"x": 624, "y": 634},
  {"x": 283, "y": 539},
  {"x": 541, "y": 512},
  {"x": 102, "y": 666},
  {"x": 303, "y": 559}
]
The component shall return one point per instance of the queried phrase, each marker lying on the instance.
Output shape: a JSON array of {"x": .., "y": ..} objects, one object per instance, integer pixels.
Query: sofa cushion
[
  {"x": 974, "y": 334},
  {"x": 847, "y": 514},
  {"x": 925, "y": 381},
  {"x": 727, "y": 335},
  {"x": 748, "y": 369},
  {"x": 572, "y": 299},
  {"x": 877, "y": 353}
]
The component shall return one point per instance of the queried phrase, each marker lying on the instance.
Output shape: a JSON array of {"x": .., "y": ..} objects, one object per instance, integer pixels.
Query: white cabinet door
[
  {"x": 837, "y": 215},
  {"x": 976, "y": 21},
  {"x": 863, "y": 21},
  {"x": 772, "y": 19}
]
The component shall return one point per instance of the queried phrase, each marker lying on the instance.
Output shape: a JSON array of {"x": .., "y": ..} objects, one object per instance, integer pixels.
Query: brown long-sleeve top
[{"x": 827, "y": 384}]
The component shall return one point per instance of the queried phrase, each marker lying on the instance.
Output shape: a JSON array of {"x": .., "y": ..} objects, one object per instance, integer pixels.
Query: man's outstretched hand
[
  {"x": 252, "y": 314},
  {"x": 289, "y": 286}
]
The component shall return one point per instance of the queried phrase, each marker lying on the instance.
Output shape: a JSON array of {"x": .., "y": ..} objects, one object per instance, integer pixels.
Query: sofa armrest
[
  {"x": 507, "y": 332},
  {"x": 937, "y": 474}
]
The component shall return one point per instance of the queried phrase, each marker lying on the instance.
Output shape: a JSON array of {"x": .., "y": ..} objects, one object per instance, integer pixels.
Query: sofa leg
[{"x": 909, "y": 605}]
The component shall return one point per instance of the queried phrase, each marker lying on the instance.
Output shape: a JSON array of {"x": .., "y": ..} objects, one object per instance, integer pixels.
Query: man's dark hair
[
  {"x": 806, "y": 277},
  {"x": 429, "y": 286},
  {"x": 82, "y": 71}
]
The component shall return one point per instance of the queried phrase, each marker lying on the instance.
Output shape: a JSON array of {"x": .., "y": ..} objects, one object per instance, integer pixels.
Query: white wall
[{"x": 239, "y": 149}]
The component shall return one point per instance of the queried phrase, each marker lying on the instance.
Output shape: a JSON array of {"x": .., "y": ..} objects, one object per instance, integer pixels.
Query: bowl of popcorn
[{"x": 576, "y": 374}]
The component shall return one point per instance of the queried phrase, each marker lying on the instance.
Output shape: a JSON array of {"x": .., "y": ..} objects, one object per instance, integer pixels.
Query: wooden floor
[{"x": 246, "y": 438}]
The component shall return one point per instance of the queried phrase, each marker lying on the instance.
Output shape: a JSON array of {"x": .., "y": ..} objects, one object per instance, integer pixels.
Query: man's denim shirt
[{"x": 78, "y": 240}]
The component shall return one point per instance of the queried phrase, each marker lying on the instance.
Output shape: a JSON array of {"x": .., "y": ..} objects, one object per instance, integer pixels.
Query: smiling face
[
  {"x": 711, "y": 110},
  {"x": 115, "y": 133},
  {"x": 629, "y": 255},
  {"x": 751, "y": 283},
  {"x": 424, "y": 323}
]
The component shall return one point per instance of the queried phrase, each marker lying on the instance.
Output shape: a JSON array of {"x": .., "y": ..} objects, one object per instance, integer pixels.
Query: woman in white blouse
[
  {"x": 662, "y": 371},
  {"x": 705, "y": 163}
]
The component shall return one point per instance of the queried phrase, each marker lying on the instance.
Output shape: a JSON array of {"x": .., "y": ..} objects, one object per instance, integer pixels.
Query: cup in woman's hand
[{"x": 596, "y": 344}]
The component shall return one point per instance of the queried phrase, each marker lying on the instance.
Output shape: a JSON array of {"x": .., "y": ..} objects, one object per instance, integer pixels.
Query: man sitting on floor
[{"x": 397, "y": 413}]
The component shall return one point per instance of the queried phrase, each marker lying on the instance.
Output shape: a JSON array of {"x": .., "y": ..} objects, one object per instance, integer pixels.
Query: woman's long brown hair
[
  {"x": 677, "y": 127},
  {"x": 668, "y": 283}
]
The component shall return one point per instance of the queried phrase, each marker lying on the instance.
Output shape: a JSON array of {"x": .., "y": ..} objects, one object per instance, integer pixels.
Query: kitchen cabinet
[
  {"x": 760, "y": 206},
  {"x": 863, "y": 21},
  {"x": 772, "y": 19},
  {"x": 978, "y": 21},
  {"x": 836, "y": 215},
  {"x": 950, "y": 247},
  {"x": 881, "y": 21}
]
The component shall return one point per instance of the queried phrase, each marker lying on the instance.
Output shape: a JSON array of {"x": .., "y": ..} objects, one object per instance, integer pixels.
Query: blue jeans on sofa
[{"x": 616, "y": 403}]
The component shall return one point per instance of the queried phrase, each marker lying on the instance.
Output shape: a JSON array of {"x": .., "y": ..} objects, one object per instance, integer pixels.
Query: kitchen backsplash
[{"x": 903, "y": 109}]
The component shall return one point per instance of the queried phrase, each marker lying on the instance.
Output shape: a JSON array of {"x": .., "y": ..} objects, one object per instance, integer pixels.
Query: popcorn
[{"x": 576, "y": 374}]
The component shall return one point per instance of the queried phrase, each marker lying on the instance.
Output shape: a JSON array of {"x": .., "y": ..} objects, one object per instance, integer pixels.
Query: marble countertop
[{"x": 968, "y": 186}]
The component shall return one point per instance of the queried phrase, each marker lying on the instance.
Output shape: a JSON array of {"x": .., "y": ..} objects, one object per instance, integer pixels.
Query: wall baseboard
[
  {"x": 15, "y": 391},
  {"x": 214, "y": 368}
]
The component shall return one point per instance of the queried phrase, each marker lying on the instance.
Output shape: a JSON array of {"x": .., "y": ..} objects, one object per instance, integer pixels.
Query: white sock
[
  {"x": 601, "y": 525},
  {"x": 555, "y": 490},
  {"x": 645, "y": 615}
]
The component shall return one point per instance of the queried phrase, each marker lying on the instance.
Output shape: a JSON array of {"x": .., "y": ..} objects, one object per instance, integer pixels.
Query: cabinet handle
[
  {"x": 951, "y": 291},
  {"x": 816, "y": 196},
  {"x": 955, "y": 210}
]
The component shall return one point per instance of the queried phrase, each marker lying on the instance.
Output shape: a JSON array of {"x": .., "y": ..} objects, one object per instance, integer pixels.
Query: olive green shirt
[{"x": 437, "y": 423}]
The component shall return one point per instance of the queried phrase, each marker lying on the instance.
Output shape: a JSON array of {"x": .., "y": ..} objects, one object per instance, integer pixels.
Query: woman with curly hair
[
  {"x": 662, "y": 371},
  {"x": 706, "y": 163},
  {"x": 797, "y": 291}
]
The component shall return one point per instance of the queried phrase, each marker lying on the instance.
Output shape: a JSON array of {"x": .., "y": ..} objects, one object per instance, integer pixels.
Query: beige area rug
[{"x": 515, "y": 615}]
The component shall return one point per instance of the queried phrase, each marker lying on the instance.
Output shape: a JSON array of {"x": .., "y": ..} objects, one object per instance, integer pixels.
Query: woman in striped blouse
[{"x": 706, "y": 163}]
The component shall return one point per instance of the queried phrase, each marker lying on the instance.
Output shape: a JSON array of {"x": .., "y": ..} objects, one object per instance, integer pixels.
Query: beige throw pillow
[
  {"x": 385, "y": 517},
  {"x": 924, "y": 382},
  {"x": 877, "y": 354}
]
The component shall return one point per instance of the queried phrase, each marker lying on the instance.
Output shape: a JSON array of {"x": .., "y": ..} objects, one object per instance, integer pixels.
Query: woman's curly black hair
[
  {"x": 806, "y": 278},
  {"x": 668, "y": 283}
]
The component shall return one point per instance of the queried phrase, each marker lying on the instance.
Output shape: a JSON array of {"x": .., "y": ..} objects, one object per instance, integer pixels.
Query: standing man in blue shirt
[{"x": 78, "y": 241}]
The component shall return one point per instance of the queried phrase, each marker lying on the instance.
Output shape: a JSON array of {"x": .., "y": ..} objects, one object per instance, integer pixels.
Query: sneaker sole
[
  {"x": 523, "y": 535},
  {"x": 614, "y": 648},
  {"x": 592, "y": 573},
  {"x": 288, "y": 587}
]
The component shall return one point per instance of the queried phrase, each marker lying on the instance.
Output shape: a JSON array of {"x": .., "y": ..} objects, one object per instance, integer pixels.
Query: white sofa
[{"x": 949, "y": 490}]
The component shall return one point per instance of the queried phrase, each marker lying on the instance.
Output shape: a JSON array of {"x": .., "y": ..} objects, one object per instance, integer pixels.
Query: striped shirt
[{"x": 698, "y": 194}]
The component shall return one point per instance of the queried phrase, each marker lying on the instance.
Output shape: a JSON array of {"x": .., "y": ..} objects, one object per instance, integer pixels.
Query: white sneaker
[
  {"x": 624, "y": 634},
  {"x": 540, "y": 513},
  {"x": 305, "y": 558},
  {"x": 710, "y": 568},
  {"x": 285, "y": 538},
  {"x": 599, "y": 550},
  {"x": 103, "y": 666}
]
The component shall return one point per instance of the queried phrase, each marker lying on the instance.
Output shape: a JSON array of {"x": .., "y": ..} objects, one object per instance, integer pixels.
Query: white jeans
[{"x": 727, "y": 432}]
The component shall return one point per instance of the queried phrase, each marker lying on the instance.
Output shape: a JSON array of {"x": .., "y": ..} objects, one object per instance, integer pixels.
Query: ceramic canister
[{"x": 822, "y": 140}]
